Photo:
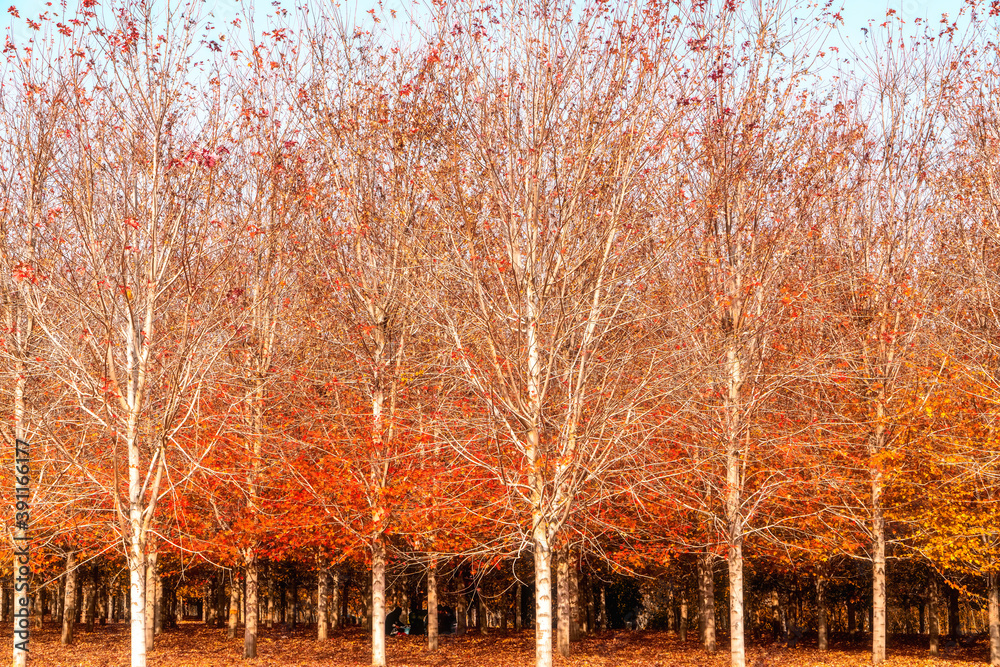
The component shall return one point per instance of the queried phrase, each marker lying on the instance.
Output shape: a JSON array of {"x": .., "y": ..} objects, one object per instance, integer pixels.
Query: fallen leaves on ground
[{"x": 195, "y": 645}]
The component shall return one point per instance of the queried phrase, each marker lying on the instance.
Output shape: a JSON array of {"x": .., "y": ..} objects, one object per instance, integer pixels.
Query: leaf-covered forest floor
[{"x": 194, "y": 645}]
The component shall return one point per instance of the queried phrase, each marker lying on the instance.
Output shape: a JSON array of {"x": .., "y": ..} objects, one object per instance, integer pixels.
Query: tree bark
[
  {"x": 683, "y": 624},
  {"x": 321, "y": 603},
  {"x": 252, "y": 605},
  {"x": 378, "y": 602},
  {"x": 878, "y": 572},
  {"x": 432, "y": 607},
  {"x": 518, "y": 606},
  {"x": 933, "y": 624},
  {"x": 482, "y": 619},
  {"x": 149, "y": 606},
  {"x": 821, "y": 626},
  {"x": 92, "y": 598},
  {"x": 602, "y": 608},
  {"x": 574, "y": 598},
  {"x": 738, "y": 655},
  {"x": 543, "y": 601},
  {"x": 159, "y": 610},
  {"x": 234, "y": 604},
  {"x": 69, "y": 595},
  {"x": 706, "y": 612},
  {"x": 994, "y": 617},
  {"x": 271, "y": 593},
  {"x": 591, "y": 613},
  {"x": 335, "y": 619},
  {"x": 563, "y": 601}
]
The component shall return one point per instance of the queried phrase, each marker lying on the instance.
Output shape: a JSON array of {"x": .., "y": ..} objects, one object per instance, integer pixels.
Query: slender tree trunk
[
  {"x": 683, "y": 624},
  {"x": 482, "y": 619},
  {"x": 591, "y": 611},
  {"x": 321, "y": 602},
  {"x": 706, "y": 588},
  {"x": 736, "y": 638},
  {"x": 543, "y": 601},
  {"x": 563, "y": 601},
  {"x": 271, "y": 592},
  {"x": 159, "y": 610},
  {"x": 293, "y": 613},
  {"x": 518, "y": 606},
  {"x": 378, "y": 602},
  {"x": 432, "y": 606},
  {"x": 234, "y": 604},
  {"x": 335, "y": 605},
  {"x": 821, "y": 627},
  {"x": 574, "y": 598},
  {"x": 252, "y": 605},
  {"x": 344, "y": 599},
  {"x": 137, "y": 598},
  {"x": 994, "y": 617},
  {"x": 149, "y": 608},
  {"x": 878, "y": 570},
  {"x": 69, "y": 595},
  {"x": 92, "y": 598},
  {"x": 86, "y": 595},
  {"x": 602, "y": 608},
  {"x": 933, "y": 604},
  {"x": 462, "y": 618}
]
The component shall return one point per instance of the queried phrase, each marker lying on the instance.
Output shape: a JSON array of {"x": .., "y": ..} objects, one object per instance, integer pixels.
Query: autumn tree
[
  {"x": 128, "y": 303},
  {"x": 548, "y": 229}
]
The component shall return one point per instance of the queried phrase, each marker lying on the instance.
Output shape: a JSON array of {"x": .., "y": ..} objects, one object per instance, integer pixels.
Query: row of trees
[{"x": 636, "y": 281}]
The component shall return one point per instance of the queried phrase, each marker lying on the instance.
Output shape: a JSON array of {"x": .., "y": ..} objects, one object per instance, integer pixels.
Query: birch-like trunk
[
  {"x": 69, "y": 606},
  {"x": 149, "y": 608},
  {"x": 137, "y": 593},
  {"x": 878, "y": 572},
  {"x": 321, "y": 603},
  {"x": 543, "y": 601},
  {"x": 378, "y": 602},
  {"x": 252, "y": 605},
  {"x": 432, "y": 606},
  {"x": 683, "y": 624},
  {"x": 736, "y": 638},
  {"x": 706, "y": 611},
  {"x": 234, "y": 605},
  {"x": 563, "y": 601}
]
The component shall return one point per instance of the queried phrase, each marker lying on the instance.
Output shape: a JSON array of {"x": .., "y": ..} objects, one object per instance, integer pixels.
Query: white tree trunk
[
  {"x": 543, "y": 602},
  {"x": 234, "y": 605},
  {"x": 137, "y": 599},
  {"x": 736, "y": 638},
  {"x": 878, "y": 573},
  {"x": 378, "y": 602}
]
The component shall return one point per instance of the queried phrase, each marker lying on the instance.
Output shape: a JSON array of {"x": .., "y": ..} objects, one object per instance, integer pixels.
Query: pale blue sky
[{"x": 856, "y": 13}]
